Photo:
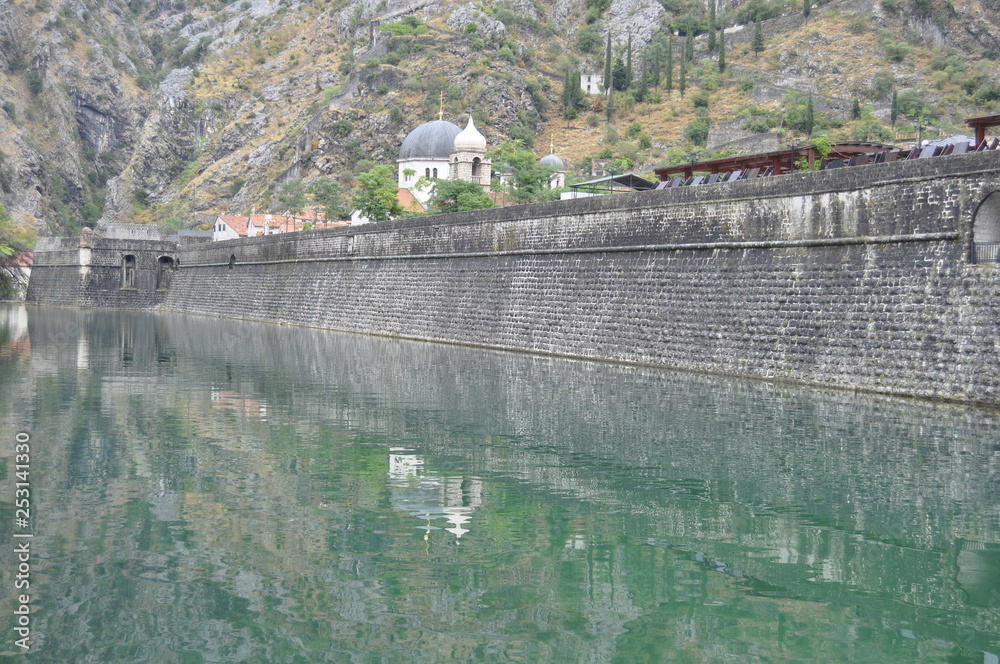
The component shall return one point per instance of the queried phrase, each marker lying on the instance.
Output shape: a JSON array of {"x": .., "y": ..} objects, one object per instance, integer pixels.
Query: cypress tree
[
  {"x": 655, "y": 72},
  {"x": 607, "y": 64},
  {"x": 757, "y": 44},
  {"x": 894, "y": 111},
  {"x": 810, "y": 117},
  {"x": 628, "y": 64},
  {"x": 722, "y": 50},
  {"x": 689, "y": 46},
  {"x": 856, "y": 110},
  {"x": 711, "y": 26},
  {"x": 670, "y": 64},
  {"x": 683, "y": 75},
  {"x": 806, "y": 8}
]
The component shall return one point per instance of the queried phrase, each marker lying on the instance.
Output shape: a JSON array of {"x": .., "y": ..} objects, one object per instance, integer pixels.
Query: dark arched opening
[
  {"x": 986, "y": 230},
  {"x": 232, "y": 261},
  {"x": 477, "y": 167},
  {"x": 165, "y": 267},
  {"x": 128, "y": 271}
]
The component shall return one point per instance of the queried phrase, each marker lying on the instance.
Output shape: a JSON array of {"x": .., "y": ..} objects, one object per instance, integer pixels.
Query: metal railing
[{"x": 986, "y": 252}]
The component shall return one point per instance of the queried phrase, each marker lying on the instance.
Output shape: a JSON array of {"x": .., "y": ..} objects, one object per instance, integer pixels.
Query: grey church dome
[
  {"x": 553, "y": 161},
  {"x": 431, "y": 140}
]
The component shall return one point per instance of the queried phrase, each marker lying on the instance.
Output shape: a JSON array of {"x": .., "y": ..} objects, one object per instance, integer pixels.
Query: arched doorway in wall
[
  {"x": 986, "y": 230},
  {"x": 128, "y": 271},
  {"x": 165, "y": 267}
]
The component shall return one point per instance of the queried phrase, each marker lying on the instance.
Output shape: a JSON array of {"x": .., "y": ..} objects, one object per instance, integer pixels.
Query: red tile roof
[
  {"x": 236, "y": 222},
  {"x": 408, "y": 201}
]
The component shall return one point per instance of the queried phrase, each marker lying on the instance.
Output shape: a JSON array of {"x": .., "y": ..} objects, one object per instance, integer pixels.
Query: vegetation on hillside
[{"x": 258, "y": 101}]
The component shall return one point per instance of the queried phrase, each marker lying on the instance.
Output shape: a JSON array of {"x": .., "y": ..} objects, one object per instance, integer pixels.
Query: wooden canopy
[
  {"x": 780, "y": 161},
  {"x": 981, "y": 124}
]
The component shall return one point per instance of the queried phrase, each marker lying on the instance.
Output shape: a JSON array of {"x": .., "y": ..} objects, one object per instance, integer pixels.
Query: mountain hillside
[{"x": 167, "y": 111}]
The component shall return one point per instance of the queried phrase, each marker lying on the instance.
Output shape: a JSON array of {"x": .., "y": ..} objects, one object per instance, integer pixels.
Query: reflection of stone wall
[{"x": 855, "y": 277}]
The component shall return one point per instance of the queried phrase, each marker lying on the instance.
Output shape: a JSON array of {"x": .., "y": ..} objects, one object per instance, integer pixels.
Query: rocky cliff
[{"x": 157, "y": 110}]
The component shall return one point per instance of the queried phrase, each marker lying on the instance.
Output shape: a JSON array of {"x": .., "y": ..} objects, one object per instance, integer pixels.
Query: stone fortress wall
[{"x": 857, "y": 278}]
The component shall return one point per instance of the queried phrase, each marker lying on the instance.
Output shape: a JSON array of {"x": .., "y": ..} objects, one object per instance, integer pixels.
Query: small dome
[
  {"x": 470, "y": 140},
  {"x": 552, "y": 161},
  {"x": 431, "y": 140}
]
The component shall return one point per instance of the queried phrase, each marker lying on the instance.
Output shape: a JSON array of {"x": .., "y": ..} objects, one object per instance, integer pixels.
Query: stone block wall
[{"x": 855, "y": 278}]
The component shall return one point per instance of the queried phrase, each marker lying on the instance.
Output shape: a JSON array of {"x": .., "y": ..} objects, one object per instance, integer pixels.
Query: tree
[
  {"x": 375, "y": 197},
  {"x": 810, "y": 120},
  {"x": 329, "y": 194},
  {"x": 628, "y": 64},
  {"x": 572, "y": 94},
  {"x": 894, "y": 109},
  {"x": 681, "y": 83},
  {"x": 806, "y": 8},
  {"x": 757, "y": 43},
  {"x": 689, "y": 46},
  {"x": 291, "y": 197},
  {"x": 856, "y": 110},
  {"x": 619, "y": 76},
  {"x": 670, "y": 64},
  {"x": 14, "y": 240},
  {"x": 722, "y": 51},
  {"x": 607, "y": 64},
  {"x": 529, "y": 181},
  {"x": 711, "y": 26},
  {"x": 457, "y": 196}
]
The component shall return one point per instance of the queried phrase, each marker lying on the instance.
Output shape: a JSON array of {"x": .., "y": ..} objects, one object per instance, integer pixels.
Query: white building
[
  {"x": 592, "y": 84},
  {"x": 440, "y": 149}
]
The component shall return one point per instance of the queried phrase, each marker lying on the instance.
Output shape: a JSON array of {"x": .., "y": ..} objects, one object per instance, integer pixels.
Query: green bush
[
  {"x": 588, "y": 40},
  {"x": 525, "y": 135},
  {"x": 986, "y": 95},
  {"x": 410, "y": 26},
  {"x": 896, "y": 51},
  {"x": 697, "y": 131},
  {"x": 343, "y": 127}
]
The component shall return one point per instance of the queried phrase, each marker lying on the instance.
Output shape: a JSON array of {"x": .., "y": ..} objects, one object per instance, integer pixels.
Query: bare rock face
[
  {"x": 462, "y": 17},
  {"x": 638, "y": 18},
  {"x": 355, "y": 18}
]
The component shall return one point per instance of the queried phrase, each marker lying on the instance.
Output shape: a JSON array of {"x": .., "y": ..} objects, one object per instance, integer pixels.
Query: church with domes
[{"x": 440, "y": 149}]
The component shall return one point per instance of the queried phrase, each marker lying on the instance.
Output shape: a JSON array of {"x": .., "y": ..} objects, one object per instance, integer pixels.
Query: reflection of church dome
[
  {"x": 552, "y": 161},
  {"x": 470, "y": 140},
  {"x": 431, "y": 140}
]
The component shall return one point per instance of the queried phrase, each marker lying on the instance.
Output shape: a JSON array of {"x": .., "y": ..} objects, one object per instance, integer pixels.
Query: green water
[{"x": 213, "y": 491}]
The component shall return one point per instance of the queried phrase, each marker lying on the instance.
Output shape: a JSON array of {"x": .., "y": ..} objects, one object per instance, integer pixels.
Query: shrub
[
  {"x": 524, "y": 134},
  {"x": 588, "y": 40},
  {"x": 986, "y": 95},
  {"x": 700, "y": 99},
  {"x": 343, "y": 127},
  {"x": 410, "y": 26},
  {"x": 896, "y": 51},
  {"x": 697, "y": 131}
]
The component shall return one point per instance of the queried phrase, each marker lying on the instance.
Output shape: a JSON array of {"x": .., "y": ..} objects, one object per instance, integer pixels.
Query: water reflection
[{"x": 213, "y": 491}]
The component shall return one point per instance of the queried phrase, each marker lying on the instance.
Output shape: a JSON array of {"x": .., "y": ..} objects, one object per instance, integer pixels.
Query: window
[
  {"x": 128, "y": 271},
  {"x": 427, "y": 172},
  {"x": 986, "y": 230},
  {"x": 477, "y": 166},
  {"x": 232, "y": 261},
  {"x": 165, "y": 269}
]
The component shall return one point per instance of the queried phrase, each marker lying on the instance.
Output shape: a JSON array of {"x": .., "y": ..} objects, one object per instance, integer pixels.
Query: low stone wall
[{"x": 856, "y": 278}]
